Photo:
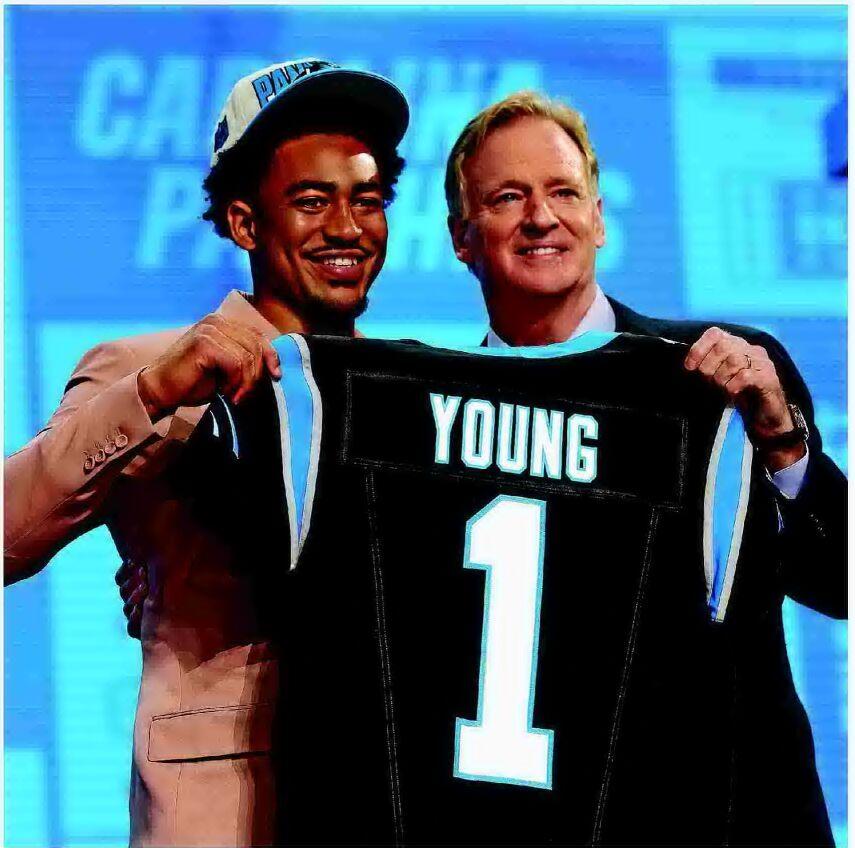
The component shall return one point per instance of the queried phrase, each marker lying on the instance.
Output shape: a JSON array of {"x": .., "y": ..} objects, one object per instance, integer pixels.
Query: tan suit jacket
[{"x": 201, "y": 763}]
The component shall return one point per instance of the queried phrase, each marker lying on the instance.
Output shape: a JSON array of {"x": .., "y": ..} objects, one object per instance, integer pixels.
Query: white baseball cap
[{"x": 277, "y": 91}]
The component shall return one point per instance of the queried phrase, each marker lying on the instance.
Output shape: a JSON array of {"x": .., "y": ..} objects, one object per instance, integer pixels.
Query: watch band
[{"x": 797, "y": 435}]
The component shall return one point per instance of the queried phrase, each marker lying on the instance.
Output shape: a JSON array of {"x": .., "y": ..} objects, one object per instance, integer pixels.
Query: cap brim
[{"x": 378, "y": 104}]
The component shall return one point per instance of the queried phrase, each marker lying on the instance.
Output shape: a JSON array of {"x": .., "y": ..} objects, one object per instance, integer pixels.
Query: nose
[
  {"x": 539, "y": 217},
  {"x": 340, "y": 225}
]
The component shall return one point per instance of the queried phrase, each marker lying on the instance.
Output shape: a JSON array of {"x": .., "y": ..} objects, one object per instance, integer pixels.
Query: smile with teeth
[
  {"x": 540, "y": 251},
  {"x": 341, "y": 261}
]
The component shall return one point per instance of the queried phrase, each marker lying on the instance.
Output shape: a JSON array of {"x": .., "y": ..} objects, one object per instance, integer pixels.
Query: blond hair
[{"x": 516, "y": 105}]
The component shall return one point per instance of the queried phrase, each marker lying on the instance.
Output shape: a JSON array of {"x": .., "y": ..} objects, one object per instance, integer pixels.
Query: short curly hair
[{"x": 240, "y": 170}]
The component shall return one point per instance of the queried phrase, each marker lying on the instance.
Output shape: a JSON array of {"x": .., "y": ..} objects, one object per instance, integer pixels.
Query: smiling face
[
  {"x": 534, "y": 223},
  {"x": 318, "y": 233}
]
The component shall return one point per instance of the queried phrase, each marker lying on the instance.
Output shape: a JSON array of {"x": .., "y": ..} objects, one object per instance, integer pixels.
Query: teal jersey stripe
[
  {"x": 581, "y": 344},
  {"x": 285, "y": 463},
  {"x": 233, "y": 428},
  {"x": 300, "y": 406},
  {"x": 729, "y": 503}
]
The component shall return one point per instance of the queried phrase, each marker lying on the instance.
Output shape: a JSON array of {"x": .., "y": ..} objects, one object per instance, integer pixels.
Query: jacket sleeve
[
  {"x": 813, "y": 539},
  {"x": 58, "y": 485}
]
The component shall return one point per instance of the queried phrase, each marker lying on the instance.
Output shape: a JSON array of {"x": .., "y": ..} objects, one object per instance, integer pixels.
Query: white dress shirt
[{"x": 601, "y": 318}]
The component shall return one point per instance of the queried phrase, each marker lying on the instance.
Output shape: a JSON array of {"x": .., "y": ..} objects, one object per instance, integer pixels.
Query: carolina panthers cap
[{"x": 271, "y": 97}]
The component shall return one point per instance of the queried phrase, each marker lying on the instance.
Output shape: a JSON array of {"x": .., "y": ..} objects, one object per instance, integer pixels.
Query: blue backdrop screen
[{"x": 709, "y": 128}]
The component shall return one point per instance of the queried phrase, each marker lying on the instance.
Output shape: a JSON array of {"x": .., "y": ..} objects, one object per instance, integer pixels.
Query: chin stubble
[{"x": 331, "y": 320}]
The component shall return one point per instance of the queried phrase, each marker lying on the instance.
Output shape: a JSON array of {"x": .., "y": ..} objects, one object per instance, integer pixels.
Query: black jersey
[{"x": 501, "y": 581}]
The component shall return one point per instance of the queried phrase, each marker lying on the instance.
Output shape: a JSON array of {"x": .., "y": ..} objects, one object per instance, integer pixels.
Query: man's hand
[
  {"x": 132, "y": 581},
  {"x": 748, "y": 377},
  {"x": 215, "y": 355}
]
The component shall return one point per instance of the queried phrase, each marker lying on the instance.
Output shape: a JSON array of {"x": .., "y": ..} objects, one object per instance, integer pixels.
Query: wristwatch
[{"x": 798, "y": 434}]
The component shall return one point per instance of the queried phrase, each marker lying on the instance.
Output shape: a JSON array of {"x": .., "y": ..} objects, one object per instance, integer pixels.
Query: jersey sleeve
[
  {"x": 726, "y": 493},
  {"x": 300, "y": 417},
  {"x": 275, "y": 438}
]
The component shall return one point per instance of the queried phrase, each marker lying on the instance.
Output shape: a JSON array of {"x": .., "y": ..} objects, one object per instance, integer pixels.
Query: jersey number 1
[{"x": 506, "y": 539}]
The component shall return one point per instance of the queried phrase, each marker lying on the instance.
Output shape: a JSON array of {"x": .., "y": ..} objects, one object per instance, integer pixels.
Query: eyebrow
[
  {"x": 329, "y": 188},
  {"x": 368, "y": 185},
  {"x": 525, "y": 187},
  {"x": 309, "y": 185},
  {"x": 554, "y": 181}
]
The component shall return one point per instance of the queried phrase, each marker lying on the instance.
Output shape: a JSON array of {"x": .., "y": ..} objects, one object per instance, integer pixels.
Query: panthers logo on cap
[{"x": 269, "y": 84}]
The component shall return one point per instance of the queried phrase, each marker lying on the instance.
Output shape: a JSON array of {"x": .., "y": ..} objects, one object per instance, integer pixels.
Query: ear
[
  {"x": 599, "y": 225},
  {"x": 459, "y": 229},
  {"x": 242, "y": 224}
]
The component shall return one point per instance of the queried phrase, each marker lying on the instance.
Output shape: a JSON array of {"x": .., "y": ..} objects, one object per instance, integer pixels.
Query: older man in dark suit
[{"x": 525, "y": 216}]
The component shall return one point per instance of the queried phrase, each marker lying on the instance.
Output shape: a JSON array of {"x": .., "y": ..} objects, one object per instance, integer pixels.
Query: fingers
[
  {"x": 271, "y": 359},
  {"x": 214, "y": 355},
  {"x": 699, "y": 350},
  {"x": 133, "y": 588},
  {"x": 135, "y": 600},
  {"x": 243, "y": 355},
  {"x": 135, "y": 583},
  {"x": 135, "y": 623},
  {"x": 746, "y": 375},
  {"x": 258, "y": 344},
  {"x": 761, "y": 377},
  {"x": 236, "y": 364},
  {"x": 720, "y": 356},
  {"x": 739, "y": 383},
  {"x": 730, "y": 366},
  {"x": 123, "y": 572},
  {"x": 132, "y": 576},
  {"x": 717, "y": 352},
  {"x": 751, "y": 365},
  {"x": 126, "y": 589},
  {"x": 232, "y": 367},
  {"x": 263, "y": 358}
]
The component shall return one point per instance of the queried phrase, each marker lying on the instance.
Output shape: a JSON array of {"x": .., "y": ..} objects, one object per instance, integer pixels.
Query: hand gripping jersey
[{"x": 502, "y": 581}]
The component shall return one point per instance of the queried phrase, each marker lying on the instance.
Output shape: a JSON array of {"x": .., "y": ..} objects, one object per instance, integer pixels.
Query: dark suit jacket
[
  {"x": 813, "y": 542},
  {"x": 775, "y": 795}
]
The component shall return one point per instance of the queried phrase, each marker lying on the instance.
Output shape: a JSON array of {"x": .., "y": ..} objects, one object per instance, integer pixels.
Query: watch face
[{"x": 799, "y": 422}]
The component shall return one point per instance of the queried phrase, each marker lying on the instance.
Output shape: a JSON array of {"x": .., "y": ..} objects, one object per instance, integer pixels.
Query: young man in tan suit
[{"x": 304, "y": 164}]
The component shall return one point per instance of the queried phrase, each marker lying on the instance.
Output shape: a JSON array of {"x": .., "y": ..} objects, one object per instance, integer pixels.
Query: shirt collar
[{"x": 599, "y": 317}]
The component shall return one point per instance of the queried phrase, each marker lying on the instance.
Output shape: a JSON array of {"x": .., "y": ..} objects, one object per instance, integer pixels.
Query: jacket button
[
  {"x": 121, "y": 441},
  {"x": 88, "y": 463},
  {"x": 110, "y": 448},
  {"x": 100, "y": 456}
]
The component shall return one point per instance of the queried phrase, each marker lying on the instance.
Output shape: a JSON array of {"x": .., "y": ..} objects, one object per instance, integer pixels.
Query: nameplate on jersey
[{"x": 525, "y": 439}]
